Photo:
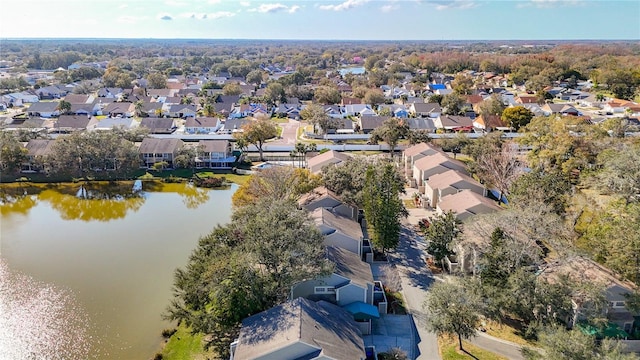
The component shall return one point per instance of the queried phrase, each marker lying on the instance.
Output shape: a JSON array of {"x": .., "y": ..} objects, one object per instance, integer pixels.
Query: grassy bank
[
  {"x": 449, "y": 350},
  {"x": 184, "y": 346}
]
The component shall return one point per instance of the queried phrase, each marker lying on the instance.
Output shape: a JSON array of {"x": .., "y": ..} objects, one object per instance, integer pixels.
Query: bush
[
  {"x": 211, "y": 182},
  {"x": 167, "y": 333}
]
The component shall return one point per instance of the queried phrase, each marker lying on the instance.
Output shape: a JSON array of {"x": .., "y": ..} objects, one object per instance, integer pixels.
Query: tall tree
[
  {"x": 257, "y": 132},
  {"x": 383, "y": 208},
  {"x": 444, "y": 230},
  {"x": 279, "y": 182},
  {"x": 452, "y": 310},
  {"x": 64, "y": 107},
  {"x": 156, "y": 81},
  {"x": 453, "y": 104},
  {"x": 391, "y": 131},
  {"x": 316, "y": 116},
  {"x": 517, "y": 117},
  {"x": 232, "y": 89},
  {"x": 12, "y": 153}
]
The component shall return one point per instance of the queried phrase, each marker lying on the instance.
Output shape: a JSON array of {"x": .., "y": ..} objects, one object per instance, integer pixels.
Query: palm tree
[{"x": 209, "y": 110}]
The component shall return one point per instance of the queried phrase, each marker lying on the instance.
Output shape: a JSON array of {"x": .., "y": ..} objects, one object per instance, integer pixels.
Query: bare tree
[{"x": 500, "y": 167}]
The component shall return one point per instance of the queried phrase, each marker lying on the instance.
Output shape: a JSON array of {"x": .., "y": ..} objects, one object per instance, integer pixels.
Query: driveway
[{"x": 289, "y": 133}]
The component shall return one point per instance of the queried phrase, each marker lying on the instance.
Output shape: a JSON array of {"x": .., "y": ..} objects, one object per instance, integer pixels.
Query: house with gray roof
[
  {"x": 45, "y": 109},
  {"x": 316, "y": 163},
  {"x": 300, "y": 329},
  {"x": 340, "y": 231},
  {"x": 436, "y": 163},
  {"x": 418, "y": 109},
  {"x": 413, "y": 153},
  {"x": 158, "y": 125},
  {"x": 214, "y": 154},
  {"x": 202, "y": 125},
  {"x": 122, "y": 109},
  {"x": 453, "y": 122},
  {"x": 351, "y": 280},
  {"x": 368, "y": 123},
  {"x": 37, "y": 152},
  {"x": 466, "y": 203},
  {"x": 71, "y": 123},
  {"x": 153, "y": 150},
  {"x": 182, "y": 110},
  {"x": 321, "y": 197}
]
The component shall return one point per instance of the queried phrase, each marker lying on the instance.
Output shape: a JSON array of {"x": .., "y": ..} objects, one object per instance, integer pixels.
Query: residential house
[
  {"x": 113, "y": 123},
  {"x": 158, "y": 125},
  {"x": 526, "y": 99},
  {"x": 358, "y": 110},
  {"x": 37, "y": 152},
  {"x": 153, "y": 150},
  {"x": 214, "y": 154},
  {"x": 232, "y": 125},
  {"x": 450, "y": 182},
  {"x": 316, "y": 163},
  {"x": 436, "y": 163},
  {"x": 350, "y": 101},
  {"x": 119, "y": 109},
  {"x": 413, "y": 153},
  {"x": 432, "y": 110},
  {"x": 535, "y": 109},
  {"x": 333, "y": 111},
  {"x": 157, "y": 93},
  {"x": 421, "y": 124},
  {"x": 299, "y": 329},
  {"x": 453, "y": 123},
  {"x": 152, "y": 109},
  {"x": 45, "y": 109},
  {"x": 489, "y": 123},
  {"x": 368, "y": 123},
  {"x": 86, "y": 109},
  {"x": 617, "y": 106},
  {"x": 71, "y": 123},
  {"x": 182, "y": 110},
  {"x": 351, "y": 281},
  {"x": 321, "y": 197},
  {"x": 396, "y": 110},
  {"x": 341, "y": 126},
  {"x": 340, "y": 231},
  {"x": 79, "y": 99},
  {"x": 50, "y": 92},
  {"x": 112, "y": 93},
  {"x": 582, "y": 270},
  {"x": 465, "y": 204},
  {"x": 291, "y": 111},
  {"x": 560, "y": 109},
  {"x": 202, "y": 125},
  {"x": 19, "y": 99}
]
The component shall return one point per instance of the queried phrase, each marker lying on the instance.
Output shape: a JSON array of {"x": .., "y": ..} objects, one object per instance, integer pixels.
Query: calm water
[{"x": 85, "y": 273}]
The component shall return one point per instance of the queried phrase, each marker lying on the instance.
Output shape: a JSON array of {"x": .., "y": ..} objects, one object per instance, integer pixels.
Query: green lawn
[
  {"x": 185, "y": 346},
  {"x": 449, "y": 350}
]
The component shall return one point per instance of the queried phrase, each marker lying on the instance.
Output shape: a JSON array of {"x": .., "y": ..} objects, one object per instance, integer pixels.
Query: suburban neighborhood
[{"x": 393, "y": 203}]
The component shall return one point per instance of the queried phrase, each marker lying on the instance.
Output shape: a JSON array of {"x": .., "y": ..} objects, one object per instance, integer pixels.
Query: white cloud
[
  {"x": 455, "y": 4},
  {"x": 245, "y": 3},
  {"x": 388, "y": 8},
  {"x": 348, "y": 4},
  {"x": 123, "y": 6},
  {"x": 276, "y": 7},
  {"x": 209, "y": 16},
  {"x": 165, "y": 17},
  {"x": 214, "y": 2}
]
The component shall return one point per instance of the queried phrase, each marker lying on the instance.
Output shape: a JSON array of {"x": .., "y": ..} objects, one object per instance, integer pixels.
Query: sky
[{"x": 325, "y": 19}]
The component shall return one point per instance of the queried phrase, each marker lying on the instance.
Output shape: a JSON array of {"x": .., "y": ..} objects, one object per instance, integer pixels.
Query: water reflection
[
  {"x": 39, "y": 321},
  {"x": 192, "y": 196}
]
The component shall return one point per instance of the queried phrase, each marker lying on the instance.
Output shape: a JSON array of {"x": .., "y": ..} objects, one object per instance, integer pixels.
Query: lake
[{"x": 86, "y": 270}]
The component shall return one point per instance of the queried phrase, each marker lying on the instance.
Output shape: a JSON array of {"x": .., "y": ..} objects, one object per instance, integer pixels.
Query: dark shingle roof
[{"x": 159, "y": 146}]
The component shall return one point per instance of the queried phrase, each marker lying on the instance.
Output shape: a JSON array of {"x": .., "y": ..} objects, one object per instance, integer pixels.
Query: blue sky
[{"x": 325, "y": 19}]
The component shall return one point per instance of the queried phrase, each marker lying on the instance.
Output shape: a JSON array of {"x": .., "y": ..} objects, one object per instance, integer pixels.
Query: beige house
[
  {"x": 316, "y": 163},
  {"x": 434, "y": 164},
  {"x": 413, "y": 153},
  {"x": 154, "y": 151},
  {"x": 37, "y": 152},
  {"x": 450, "y": 182},
  {"x": 465, "y": 204}
]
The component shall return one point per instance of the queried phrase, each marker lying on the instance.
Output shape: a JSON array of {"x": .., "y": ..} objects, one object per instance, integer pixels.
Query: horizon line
[{"x": 318, "y": 39}]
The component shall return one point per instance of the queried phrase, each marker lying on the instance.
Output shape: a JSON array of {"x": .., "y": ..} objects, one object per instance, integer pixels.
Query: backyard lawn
[{"x": 185, "y": 346}]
